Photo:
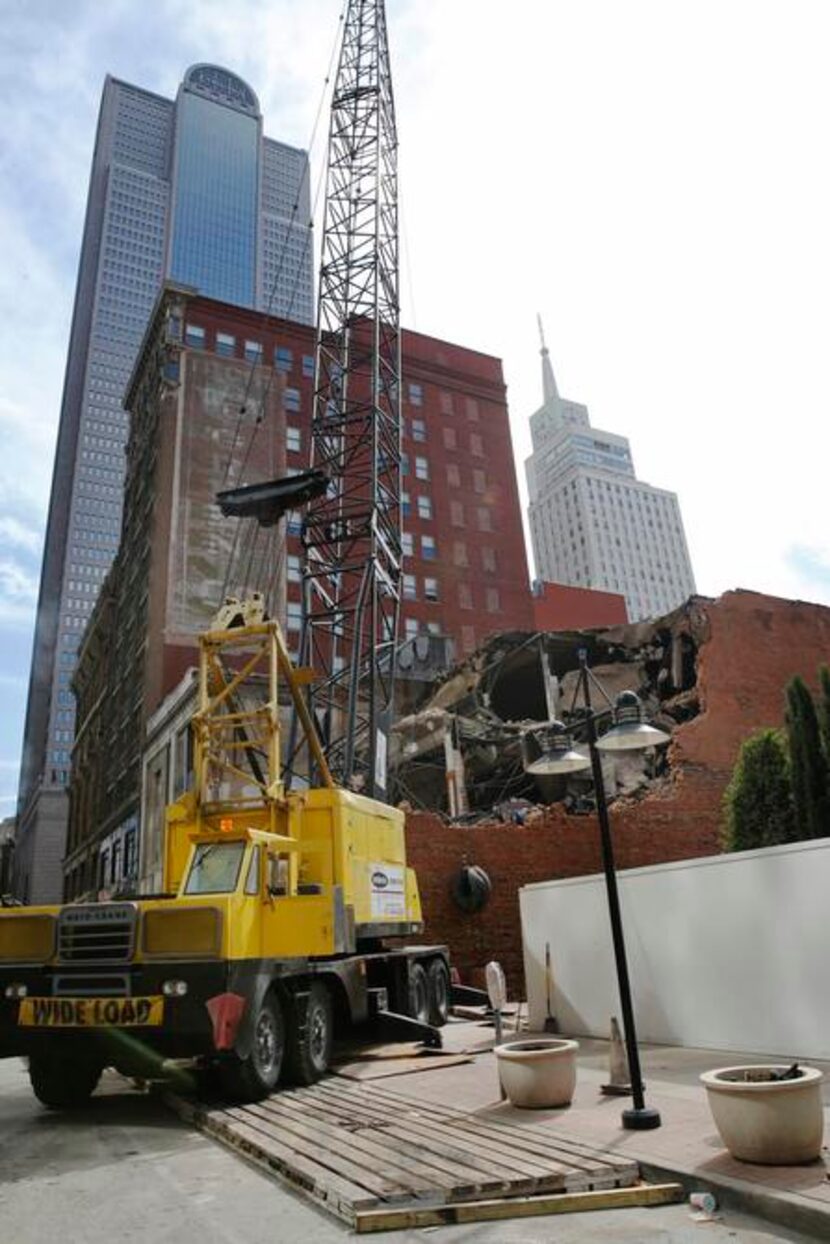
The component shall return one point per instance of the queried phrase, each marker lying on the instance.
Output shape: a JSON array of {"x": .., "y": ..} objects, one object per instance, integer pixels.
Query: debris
[
  {"x": 484, "y": 715},
  {"x": 704, "y": 1202}
]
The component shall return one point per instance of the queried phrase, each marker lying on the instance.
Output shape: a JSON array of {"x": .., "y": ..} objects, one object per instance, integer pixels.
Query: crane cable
[{"x": 255, "y": 362}]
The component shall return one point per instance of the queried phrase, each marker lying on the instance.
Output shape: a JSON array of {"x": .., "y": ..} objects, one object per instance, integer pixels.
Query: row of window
[{"x": 225, "y": 345}]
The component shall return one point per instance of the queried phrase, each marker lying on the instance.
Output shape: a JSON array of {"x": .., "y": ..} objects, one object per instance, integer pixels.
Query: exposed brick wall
[
  {"x": 559, "y": 607},
  {"x": 755, "y": 644}
]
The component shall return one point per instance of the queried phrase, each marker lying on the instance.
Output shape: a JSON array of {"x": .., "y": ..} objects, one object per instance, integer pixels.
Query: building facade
[
  {"x": 593, "y": 524},
  {"x": 203, "y": 363},
  {"x": 190, "y": 188}
]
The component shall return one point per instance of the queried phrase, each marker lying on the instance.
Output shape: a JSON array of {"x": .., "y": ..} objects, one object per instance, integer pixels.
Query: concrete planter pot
[
  {"x": 538, "y": 1072},
  {"x": 774, "y": 1122}
]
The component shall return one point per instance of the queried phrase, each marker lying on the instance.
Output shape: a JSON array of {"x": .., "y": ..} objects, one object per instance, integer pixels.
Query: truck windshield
[{"x": 215, "y": 868}]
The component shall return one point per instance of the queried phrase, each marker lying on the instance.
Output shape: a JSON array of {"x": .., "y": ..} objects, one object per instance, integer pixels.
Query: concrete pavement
[{"x": 126, "y": 1169}]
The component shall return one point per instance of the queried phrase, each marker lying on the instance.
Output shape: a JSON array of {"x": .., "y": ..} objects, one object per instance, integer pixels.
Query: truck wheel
[
  {"x": 309, "y": 1051},
  {"x": 418, "y": 993},
  {"x": 62, "y": 1082},
  {"x": 438, "y": 983},
  {"x": 254, "y": 1077}
]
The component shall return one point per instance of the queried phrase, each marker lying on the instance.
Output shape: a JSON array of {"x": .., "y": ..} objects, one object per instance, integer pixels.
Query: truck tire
[
  {"x": 309, "y": 1045},
  {"x": 438, "y": 986},
  {"x": 254, "y": 1077},
  {"x": 62, "y": 1082},
  {"x": 418, "y": 993}
]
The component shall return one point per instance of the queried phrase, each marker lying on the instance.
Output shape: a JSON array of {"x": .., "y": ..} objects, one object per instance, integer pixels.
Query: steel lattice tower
[{"x": 352, "y": 536}]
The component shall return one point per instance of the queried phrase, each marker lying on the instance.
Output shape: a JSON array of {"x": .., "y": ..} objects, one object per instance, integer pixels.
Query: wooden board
[
  {"x": 517, "y": 1207},
  {"x": 380, "y": 1159},
  {"x": 381, "y": 1068}
]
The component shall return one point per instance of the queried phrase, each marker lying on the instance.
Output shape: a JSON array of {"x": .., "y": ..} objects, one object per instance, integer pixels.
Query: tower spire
[{"x": 549, "y": 389}]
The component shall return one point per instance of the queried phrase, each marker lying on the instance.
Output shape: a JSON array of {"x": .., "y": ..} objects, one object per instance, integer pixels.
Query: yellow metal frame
[{"x": 229, "y": 661}]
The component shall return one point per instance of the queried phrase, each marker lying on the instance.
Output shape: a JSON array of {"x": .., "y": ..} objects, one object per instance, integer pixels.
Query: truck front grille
[
  {"x": 110, "y": 986},
  {"x": 97, "y": 933}
]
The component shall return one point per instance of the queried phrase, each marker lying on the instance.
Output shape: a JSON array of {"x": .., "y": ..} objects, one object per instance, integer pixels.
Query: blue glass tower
[
  {"x": 188, "y": 189},
  {"x": 213, "y": 242}
]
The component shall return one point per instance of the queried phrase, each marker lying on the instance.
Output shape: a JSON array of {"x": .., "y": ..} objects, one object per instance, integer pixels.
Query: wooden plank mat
[
  {"x": 383, "y": 1068},
  {"x": 375, "y": 1157}
]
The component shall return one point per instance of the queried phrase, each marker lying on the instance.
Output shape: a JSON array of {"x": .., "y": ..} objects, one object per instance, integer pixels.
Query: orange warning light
[{"x": 226, "y": 823}]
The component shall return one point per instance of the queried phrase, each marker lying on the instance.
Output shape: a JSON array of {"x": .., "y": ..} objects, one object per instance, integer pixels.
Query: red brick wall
[
  {"x": 463, "y": 409},
  {"x": 755, "y": 644},
  {"x": 559, "y": 607}
]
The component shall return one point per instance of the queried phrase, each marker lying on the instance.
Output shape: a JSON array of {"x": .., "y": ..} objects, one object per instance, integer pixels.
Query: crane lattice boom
[{"x": 352, "y": 535}]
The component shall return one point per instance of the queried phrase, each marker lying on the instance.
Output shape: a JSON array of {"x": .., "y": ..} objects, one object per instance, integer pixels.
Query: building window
[
  {"x": 293, "y": 440},
  {"x": 459, "y": 553},
  {"x": 431, "y": 589},
  {"x": 419, "y": 430},
  {"x": 283, "y": 358},
  {"x": 294, "y": 523},
  {"x": 453, "y": 475},
  {"x": 492, "y": 599},
  {"x": 434, "y": 628},
  {"x": 476, "y": 445},
  {"x": 445, "y": 402},
  {"x": 424, "y": 507},
  {"x": 428, "y": 550},
  {"x": 488, "y": 557},
  {"x": 479, "y": 481},
  {"x": 291, "y": 399},
  {"x": 421, "y": 468},
  {"x": 293, "y": 568},
  {"x": 194, "y": 336},
  {"x": 465, "y": 596},
  {"x": 225, "y": 345},
  {"x": 456, "y": 514},
  {"x": 253, "y": 351},
  {"x": 294, "y": 615},
  {"x": 411, "y": 627},
  {"x": 410, "y": 587},
  {"x": 485, "y": 519},
  {"x": 472, "y": 409},
  {"x": 407, "y": 544},
  {"x": 406, "y": 504},
  {"x": 416, "y": 395},
  {"x": 308, "y": 366},
  {"x": 450, "y": 439},
  {"x": 404, "y": 464}
]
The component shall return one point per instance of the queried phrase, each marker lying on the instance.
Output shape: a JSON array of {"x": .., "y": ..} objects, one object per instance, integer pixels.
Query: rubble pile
[{"x": 487, "y": 709}]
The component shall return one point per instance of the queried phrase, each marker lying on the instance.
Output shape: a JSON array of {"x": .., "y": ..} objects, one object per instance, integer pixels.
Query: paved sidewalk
[{"x": 686, "y": 1147}]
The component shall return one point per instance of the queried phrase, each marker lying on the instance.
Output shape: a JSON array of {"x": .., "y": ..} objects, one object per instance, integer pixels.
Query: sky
[{"x": 650, "y": 176}]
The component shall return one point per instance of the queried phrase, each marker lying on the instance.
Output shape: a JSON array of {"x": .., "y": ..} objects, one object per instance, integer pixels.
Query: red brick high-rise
[{"x": 205, "y": 372}]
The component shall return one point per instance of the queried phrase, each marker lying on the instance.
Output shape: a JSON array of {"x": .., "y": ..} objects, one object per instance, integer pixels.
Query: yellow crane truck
[{"x": 273, "y": 931}]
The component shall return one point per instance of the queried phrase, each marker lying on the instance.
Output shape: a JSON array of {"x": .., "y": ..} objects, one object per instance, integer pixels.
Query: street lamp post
[{"x": 629, "y": 733}]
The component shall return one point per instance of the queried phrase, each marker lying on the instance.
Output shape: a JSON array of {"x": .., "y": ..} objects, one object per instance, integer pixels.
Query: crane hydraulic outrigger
[{"x": 279, "y": 902}]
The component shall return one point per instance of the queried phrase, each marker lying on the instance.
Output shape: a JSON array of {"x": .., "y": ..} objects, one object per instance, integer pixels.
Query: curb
[{"x": 784, "y": 1209}]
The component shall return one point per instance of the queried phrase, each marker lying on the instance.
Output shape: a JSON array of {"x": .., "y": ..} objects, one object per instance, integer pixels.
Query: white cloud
[
  {"x": 16, "y": 534},
  {"x": 18, "y": 593}
]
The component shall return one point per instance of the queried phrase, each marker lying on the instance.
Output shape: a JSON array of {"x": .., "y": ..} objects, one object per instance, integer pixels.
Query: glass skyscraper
[{"x": 192, "y": 190}]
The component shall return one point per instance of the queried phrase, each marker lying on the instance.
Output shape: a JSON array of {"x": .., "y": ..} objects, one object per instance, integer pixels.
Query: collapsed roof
[{"x": 477, "y": 725}]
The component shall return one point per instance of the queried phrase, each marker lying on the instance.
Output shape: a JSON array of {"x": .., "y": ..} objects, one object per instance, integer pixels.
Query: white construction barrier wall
[{"x": 728, "y": 952}]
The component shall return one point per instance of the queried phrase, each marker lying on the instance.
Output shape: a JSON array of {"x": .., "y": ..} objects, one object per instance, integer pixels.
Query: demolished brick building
[{"x": 711, "y": 672}]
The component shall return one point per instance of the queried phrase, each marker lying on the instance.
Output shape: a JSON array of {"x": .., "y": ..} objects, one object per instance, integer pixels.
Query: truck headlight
[
  {"x": 174, "y": 989},
  {"x": 16, "y": 990},
  {"x": 26, "y": 939},
  {"x": 184, "y": 934}
]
